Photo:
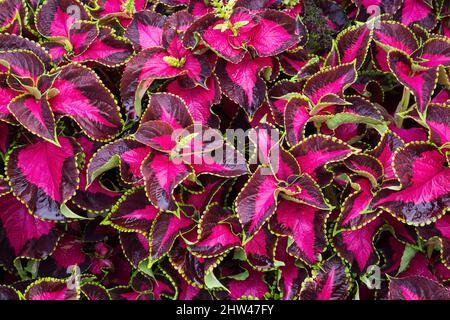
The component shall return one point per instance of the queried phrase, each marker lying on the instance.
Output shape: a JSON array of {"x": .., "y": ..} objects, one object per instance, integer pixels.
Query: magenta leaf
[
  {"x": 294, "y": 60},
  {"x": 135, "y": 247},
  {"x": 107, "y": 49},
  {"x": 292, "y": 276},
  {"x": 164, "y": 287},
  {"x": 162, "y": 176},
  {"x": 419, "y": 266},
  {"x": 168, "y": 108},
  {"x": 6, "y": 96},
  {"x": 81, "y": 36},
  {"x": 83, "y": 98},
  {"x": 314, "y": 152},
  {"x": 140, "y": 73},
  {"x": 442, "y": 96},
  {"x": 160, "y": 63},
  {"x": 227, "y": 44},
  {"x": 403, "y": 232},
  {"x": 418, "y": 167},
  {"x": 54, "y": 20},
  {"x": 199, "y": 100},
  {"x": 416, "y": 11},
  {"x": 251, "y": 287},
  {"x": 257, "y": 202},
  {"x": 222, "y": 161},
  {"x": 416, "y": 288},
  {"x": 387, "y": 6},
  {"x": 35, "y": 115},
  {"x": 435, "y": 52},
  {"x": 189, "y": 292},
  {"x": 356, "y": 246},
  {"x": 218, "y": 233},
  {"x": 384, "y": 152},
  {"x": 199, "y": 200},
  {"x": 115, "y": 8},
  {"x": 274, "y": 33},
  {"x": 23, "y": 235},
  {"x": 395, "y": 36},
  {"x": 24, "y": 64},
  {"x": 333, "y": 58},
  {"x": 268, "y": 33},
  {"x": 354, "y": 213},
  {"x": 332, "y": 282},
  {"x": 353, "y": 44},
  {"x": 159, "y": 135},
  {"x": 296, "y": 116},
  {"x": 57, "y": 51},
  {"x": 411, "y": 134},
  {"x": 305, "y": 225},
  {"x": 44, "y": 176},
  {"x": 263, "y": 138},
  {"x": 15, "y": 42},
  {"x": 285, "y": 168},
  {"x": 133, "y": 212},
  {"x": 438, "y": 122},
  {"x": 95, "y": 292},
  {"x": 127, "y": 154},
  {"x": 260, "y": 250},
  {"x": 242, "y": 83},
  {"x": 68, "y": 253},
  {"x": 193, "y": 268},
  {"x": 165, "y": 230},
  {"x": 51, "y": 289},
  {"x": 420, "y": 82},
  {"x": 310, "y": 193},
  {"x": 366, "y": 166},
  {"x": 145, "y": 30},
  {"x": 330, "y": 81},
  {"x": 279, "y": 96},
  {"x": 391, "y": 35}
]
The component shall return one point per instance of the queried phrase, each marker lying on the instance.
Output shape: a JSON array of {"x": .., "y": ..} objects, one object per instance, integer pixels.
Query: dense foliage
[{"x": 341, "y": 192}]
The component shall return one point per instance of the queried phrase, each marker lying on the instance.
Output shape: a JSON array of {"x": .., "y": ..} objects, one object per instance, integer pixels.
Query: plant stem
[{"x": 402, "y": 107}]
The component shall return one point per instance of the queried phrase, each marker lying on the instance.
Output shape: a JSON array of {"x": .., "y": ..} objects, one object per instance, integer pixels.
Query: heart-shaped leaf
[{"x": 45, "y": 176}]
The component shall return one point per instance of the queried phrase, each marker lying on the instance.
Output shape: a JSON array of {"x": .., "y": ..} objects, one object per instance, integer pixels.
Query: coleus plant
[
  {"x": 72, "y": 34},
  {"x": 114, "y": 116}
]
